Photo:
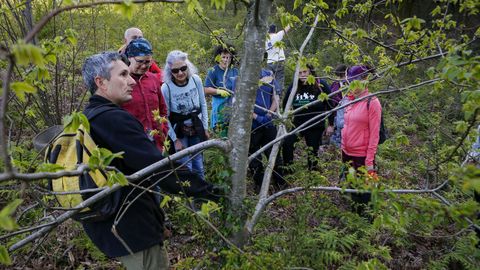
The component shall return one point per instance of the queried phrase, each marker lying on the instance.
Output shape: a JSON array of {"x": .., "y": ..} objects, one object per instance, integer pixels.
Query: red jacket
[
  {"x": 154, "y": 68},
  {"x": 147, "y": 97},
  {"x": 361, "y": 129}
]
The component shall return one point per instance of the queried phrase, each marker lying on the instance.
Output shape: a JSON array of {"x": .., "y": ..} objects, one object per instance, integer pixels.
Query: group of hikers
[{"x": 144, "y": 111}]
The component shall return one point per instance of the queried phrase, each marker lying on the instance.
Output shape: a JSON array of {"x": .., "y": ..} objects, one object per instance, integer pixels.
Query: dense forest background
[{"x": 426, "y": 55}]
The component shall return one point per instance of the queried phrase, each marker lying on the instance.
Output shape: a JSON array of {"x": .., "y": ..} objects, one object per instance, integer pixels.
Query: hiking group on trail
[{"x": 147, "y": 113}]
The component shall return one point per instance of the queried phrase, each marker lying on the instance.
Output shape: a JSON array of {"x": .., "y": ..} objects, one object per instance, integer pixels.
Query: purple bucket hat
[{"x": 357, "y": 73}]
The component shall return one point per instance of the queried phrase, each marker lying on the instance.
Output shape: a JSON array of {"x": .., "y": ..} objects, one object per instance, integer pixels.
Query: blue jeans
[{"x": 195, "y": 164}]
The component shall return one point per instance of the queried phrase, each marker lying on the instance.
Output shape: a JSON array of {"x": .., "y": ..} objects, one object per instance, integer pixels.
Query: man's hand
[
  {"x": 223, "y": 93},
  {"x": 207, "y": 134},
  {"x": 178, "y": 145}
]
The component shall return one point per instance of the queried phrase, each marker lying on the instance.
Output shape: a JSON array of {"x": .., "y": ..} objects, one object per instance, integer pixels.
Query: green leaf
[
  {"x": 296, "y": 4},
  {"x": 102, "y": 157},
  {"x": 71, "y": 36},
  {"x": 165, "y": 200},
  {"x": 323, "y": 96},
  {"x": 219, "y": 4},
  {"x": 436, "y": 11},
  {"x": 4, "y": 257},
  {"x": 26, "y": 54},
  {"x": 6, "y": 222},
  {"x": 51, "y": 58},
  {"x": 430, "y": 72},
  {"x": 127, "y": 9},
  {"x": 357, "y": 84},
  {"x": 361, "y": 33},
  {"x": 461, "y": 126},
  {"x": 116, "y": 178},
  {"x": 402, "y": 140},
  {"x": 477, "y": 33},
  {"x": 311, "y": 79},
  {"x": 20, "y": 88},
  {"x": 67, "y": 120},
  {"x": 49, "y": 167},
  {"x": 11, "y": 207},
  {"x": 84, "y": 122},
  {"x": 208, "y": 208},
  {"x": 193, "y": 5}
]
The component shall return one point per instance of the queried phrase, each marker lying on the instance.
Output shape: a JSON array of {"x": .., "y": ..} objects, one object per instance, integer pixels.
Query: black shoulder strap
[
  {"x": 198, "y": 90},
  {"x": 169, "y": 97}
]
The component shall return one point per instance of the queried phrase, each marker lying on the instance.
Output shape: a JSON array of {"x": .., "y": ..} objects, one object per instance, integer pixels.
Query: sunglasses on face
[
  {"x": 141, "y": 62},
  {"x": 182, "y": 69}
]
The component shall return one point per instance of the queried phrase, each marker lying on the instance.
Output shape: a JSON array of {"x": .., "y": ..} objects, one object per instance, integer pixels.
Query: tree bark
[{"x": 241, "y": 125}]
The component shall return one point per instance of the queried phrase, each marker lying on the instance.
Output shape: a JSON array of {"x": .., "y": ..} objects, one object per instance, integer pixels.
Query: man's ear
[{"x": 100, "y": 82}]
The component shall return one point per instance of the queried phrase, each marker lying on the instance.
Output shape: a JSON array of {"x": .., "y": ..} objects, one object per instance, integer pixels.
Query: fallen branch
[{"x": 222, "y": 144}]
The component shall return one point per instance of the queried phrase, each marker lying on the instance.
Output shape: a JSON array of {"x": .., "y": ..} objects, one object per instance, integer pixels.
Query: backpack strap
[{"x": 169, "y": 97}]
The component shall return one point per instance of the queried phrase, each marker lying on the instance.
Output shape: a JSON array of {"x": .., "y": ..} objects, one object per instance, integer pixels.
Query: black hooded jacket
[{"x": 141, "y": 226}]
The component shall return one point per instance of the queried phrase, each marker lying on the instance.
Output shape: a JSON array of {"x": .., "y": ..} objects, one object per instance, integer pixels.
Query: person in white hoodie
[{"x": 276, "y": 55}]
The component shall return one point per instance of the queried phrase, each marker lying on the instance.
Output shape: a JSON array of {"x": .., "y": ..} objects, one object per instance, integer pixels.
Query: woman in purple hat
[{"x": 360, "y": 133}]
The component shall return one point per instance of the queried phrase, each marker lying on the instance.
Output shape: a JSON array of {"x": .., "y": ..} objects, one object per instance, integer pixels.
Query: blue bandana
[{"x": 138, "y": 47}]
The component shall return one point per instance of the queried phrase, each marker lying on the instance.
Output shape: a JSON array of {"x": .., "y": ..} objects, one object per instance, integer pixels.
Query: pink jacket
[{"x": 361, "y": 129}]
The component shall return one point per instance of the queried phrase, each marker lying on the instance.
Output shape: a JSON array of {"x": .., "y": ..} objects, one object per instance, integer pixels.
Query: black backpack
[{"x": 383, "y": 136}]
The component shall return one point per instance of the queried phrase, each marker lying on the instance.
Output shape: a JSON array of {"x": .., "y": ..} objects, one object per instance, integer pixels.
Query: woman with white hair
[{"x": 187, "y": 108}]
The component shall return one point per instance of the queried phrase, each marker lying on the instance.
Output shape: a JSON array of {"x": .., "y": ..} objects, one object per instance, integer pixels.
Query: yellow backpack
[{"x": 70, "y": 149}]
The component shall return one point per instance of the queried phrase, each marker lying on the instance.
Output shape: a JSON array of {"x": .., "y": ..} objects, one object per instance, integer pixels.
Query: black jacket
[
  {"x": 141, "y": 226},
  {"x": 306, "y": 94}
]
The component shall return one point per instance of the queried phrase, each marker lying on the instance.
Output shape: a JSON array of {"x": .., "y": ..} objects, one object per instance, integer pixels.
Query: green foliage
[
  {"x": 6, "y": 222},
  {"x": 9, "y": 224},
  {"x": 208, "y": 208},
  {"x": 101, "y": 158},
  {"x": 463, "y": 255},
  {"x": 20, "y": 88},
  {"x": 314, "y": 230},
  {"x": 116, "y": 178},
  {"x": 126, "y": 9},
  {"x": 73, "y": 121},
  {"x": 4, "y": 257},
  {"x": 26, "y": 54}
]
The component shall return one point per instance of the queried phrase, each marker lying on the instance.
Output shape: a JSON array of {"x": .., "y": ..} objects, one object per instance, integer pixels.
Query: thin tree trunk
[{"x": 241, "y": 125}]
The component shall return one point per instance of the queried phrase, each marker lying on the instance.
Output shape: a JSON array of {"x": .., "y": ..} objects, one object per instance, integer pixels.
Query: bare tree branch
[
  {"x": 3, "y": 110},
  {"x": 315, "y": 119},
  {"x": 224, "y": 145},
  {"x": 281, "y": 130},
  {"x": 263, "y": 202}
]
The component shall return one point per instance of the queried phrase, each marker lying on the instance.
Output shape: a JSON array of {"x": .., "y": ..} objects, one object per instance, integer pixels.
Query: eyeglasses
[
  {"x": 141, "y": 62},
  {"x": 182, "y": 69}
]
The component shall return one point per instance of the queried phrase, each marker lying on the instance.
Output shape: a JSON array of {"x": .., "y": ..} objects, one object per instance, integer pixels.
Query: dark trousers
[
  {"x": 477, "y": 231},
  {"x": 260, "y": 137},
  {"x": 313, "y": 139},
  {"x": 361, "y": 199}
]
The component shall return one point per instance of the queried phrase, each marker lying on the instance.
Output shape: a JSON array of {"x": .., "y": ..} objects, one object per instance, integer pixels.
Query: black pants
[
  {"x": 477, "y": 231},
  {"x": 313, "y": 139},
  {"x": 360, "y": 199},
  {"x": 260, "y": 137}
]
